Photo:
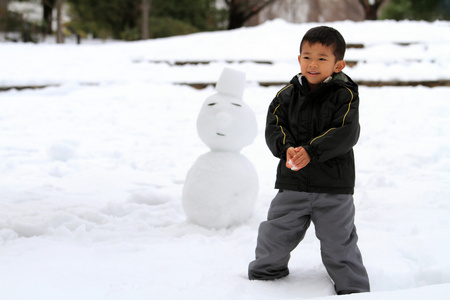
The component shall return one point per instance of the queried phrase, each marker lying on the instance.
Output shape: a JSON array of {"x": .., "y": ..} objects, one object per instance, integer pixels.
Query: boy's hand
[
  {"x": 297, "y": 158},
  {"x": 290, "y": 154}
]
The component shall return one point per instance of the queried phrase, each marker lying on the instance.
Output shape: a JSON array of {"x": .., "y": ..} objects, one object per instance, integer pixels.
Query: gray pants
[{"x": 289, "y": 217}]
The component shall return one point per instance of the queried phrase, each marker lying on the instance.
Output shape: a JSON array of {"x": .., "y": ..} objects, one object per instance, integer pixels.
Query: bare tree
[
  {"x": 336, "y": 10},
  {"x": 371, "y": 8},
  {"x": 242, "y": 10},
  {"x": 145, "y": 8},
  {"x": 290, "y": 10},
  {"x": 314, "y": 11},
  {"x": 301, "y": 11},
  {"x": 59, "y": 33}
]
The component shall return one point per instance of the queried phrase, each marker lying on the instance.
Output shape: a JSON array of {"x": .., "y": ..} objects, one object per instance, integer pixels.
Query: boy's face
[{"x": 317, "y": 62}]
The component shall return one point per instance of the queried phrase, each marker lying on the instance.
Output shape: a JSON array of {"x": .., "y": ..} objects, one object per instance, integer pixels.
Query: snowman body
[
  {"x": 222, "y": 185},
  {"x": 220, "y": 190}
]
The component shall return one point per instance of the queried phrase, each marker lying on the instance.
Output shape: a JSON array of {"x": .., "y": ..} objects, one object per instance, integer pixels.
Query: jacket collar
[
  {"x": 328, "y": 79},
  {"x": 341, "y": 76}
]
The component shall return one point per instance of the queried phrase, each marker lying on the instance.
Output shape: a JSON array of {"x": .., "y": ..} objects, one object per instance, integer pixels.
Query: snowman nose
[{"x": 223, "y": 119}]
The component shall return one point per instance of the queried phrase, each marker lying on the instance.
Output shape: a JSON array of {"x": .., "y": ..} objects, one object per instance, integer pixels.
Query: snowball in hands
[
  {"x": 291, "y": 164},
  {"x": 222, "y": 185}
]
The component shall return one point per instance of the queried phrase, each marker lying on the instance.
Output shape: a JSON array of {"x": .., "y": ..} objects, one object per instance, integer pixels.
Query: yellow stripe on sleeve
[
  {"x": 284, "y": 139},
  {"x": 345, "y": 116},
  {"x": 321, "y": 135},
  {"x": 283, "y": 89},
  {"x": 276, "y": 110}
]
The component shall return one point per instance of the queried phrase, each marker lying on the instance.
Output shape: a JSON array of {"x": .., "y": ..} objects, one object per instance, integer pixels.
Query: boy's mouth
[{"x": 313, "y": 73}]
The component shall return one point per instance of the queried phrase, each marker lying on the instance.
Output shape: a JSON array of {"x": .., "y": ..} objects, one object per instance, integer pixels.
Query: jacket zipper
[
  {"x": 338, "y": 164},
  {"x": 308, "y": 177}
]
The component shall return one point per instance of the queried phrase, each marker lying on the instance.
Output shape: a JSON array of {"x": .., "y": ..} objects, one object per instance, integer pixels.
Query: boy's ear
[
  {"x": 299, "y": 58},
  {"x": 339, "y": 66}
]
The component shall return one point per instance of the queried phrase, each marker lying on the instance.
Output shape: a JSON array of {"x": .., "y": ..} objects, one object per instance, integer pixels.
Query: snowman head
[{"x": 225, "y": 122}]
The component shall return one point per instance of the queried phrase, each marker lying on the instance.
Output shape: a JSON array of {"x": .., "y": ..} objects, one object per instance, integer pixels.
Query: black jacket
[{"x": 326, "y": 123}]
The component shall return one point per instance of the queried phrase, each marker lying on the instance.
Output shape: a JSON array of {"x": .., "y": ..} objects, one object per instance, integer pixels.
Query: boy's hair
[{"x": 326, "y": 36}]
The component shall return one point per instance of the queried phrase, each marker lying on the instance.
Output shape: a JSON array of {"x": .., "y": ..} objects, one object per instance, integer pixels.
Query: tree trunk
[
  {"x": 236, "y": 19},
  {"x": 47, "y": 17},
  {"x": 59, "y": 33},
  {"x": 4, "y": 16},
  {"x": 371, "y": 10},
  {"x": 145, "y": 11}
]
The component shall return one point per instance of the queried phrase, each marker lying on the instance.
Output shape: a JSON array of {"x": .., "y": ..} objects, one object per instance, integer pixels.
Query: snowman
[{"x": 221, "y": 187}]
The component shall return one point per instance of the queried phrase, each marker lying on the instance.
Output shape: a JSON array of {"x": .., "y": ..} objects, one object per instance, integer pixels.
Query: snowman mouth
[{"x": 220, "y": 134}]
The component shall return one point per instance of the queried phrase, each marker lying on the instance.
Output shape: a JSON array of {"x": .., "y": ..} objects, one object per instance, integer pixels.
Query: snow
[{"x": 92, "y": 169}]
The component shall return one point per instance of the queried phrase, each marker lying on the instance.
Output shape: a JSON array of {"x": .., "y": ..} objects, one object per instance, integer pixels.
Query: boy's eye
[
  {"x": 212, "y": 104},
  {"x": 236, "y": 104}
]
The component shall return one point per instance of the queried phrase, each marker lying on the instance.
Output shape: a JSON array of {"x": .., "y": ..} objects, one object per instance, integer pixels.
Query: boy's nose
[
  {"x": 223, "y": 119},
  {"x": 313, "y": 63}
]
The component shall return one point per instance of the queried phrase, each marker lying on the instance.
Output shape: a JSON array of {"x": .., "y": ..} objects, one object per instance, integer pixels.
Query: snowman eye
[
  {"x": 236, "y": 104},
  {"x": 212, "y": 104}
]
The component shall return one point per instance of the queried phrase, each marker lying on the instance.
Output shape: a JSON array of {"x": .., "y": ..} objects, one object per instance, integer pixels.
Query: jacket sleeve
[
  {"x": 344, "y": 131},
  {"x": 278, "y": 136}
]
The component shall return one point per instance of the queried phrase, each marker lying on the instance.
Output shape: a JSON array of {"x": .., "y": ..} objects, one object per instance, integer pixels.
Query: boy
[{"x": 312, "y": 126}]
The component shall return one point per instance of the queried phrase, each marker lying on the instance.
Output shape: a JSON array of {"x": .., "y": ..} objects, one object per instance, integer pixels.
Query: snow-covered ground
[{"x": 92, "y": 169}]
